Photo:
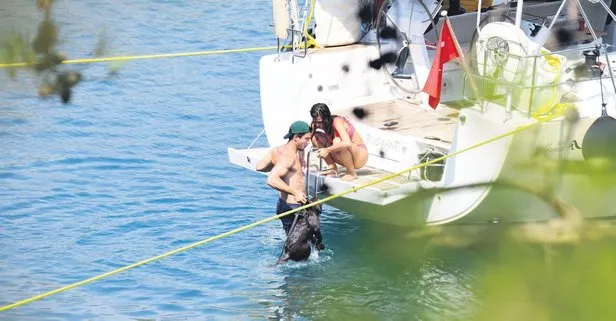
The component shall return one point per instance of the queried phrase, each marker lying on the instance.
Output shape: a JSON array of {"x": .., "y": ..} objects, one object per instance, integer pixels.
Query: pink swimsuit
[{"x": 350, "y": 131}]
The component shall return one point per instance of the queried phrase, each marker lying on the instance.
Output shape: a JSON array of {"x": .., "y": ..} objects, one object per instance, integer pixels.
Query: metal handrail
[
  {"x": 534, "y": 57},
  {"x": 293, "y": 33},
  {"x": 486, "y": 80},
  {"x": 307, "y": 174}
]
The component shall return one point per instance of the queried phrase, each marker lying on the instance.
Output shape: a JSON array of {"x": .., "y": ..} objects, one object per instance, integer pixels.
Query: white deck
[
  {"x": 408, "y": 119},
  {"x": 368, "y": 174}
]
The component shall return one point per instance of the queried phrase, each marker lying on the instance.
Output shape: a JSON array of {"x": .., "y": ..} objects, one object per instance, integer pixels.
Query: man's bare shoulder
[
  {"x": 285, "y": 158},
  {"x": 284, "y": 150}
]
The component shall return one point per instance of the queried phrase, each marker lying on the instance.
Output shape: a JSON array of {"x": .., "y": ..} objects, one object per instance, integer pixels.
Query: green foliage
[
  {"x": 15, "y": 49},
  {"x": 39, "y": 54}
]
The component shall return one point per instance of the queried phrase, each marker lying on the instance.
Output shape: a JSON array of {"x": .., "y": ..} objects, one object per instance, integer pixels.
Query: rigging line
[
  {"x": 137, "y": 57},
  {"x": 271, "y": 218}
]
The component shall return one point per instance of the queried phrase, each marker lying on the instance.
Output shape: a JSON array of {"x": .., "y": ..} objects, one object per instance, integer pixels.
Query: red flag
[{"x": 445, "y": 51}]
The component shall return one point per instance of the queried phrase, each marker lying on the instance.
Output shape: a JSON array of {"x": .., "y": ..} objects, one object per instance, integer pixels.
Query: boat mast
[
  {"x": 478, "y": 14},
  {"x": 518, "y": 13}
]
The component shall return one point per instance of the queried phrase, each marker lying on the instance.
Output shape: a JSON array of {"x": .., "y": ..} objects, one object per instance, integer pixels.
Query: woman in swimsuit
[{"x": 345, "y": 147}]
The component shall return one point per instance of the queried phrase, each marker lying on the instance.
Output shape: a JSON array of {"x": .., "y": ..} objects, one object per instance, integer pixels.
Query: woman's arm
[{"x": 345, "y": 140}]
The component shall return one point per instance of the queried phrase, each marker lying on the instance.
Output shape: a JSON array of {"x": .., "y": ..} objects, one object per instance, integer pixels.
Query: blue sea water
[{"x": 136, "y": 165}]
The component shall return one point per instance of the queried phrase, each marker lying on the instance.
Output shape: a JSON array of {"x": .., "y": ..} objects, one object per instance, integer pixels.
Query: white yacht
[{"x": 526, "y": 61}]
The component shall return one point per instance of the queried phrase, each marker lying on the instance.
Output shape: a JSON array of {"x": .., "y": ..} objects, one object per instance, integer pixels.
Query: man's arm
[{"x": 265, "y": 164}]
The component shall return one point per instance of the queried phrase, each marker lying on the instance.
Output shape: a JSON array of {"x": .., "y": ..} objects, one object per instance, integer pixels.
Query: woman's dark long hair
[{"x": 320, "y": 109}]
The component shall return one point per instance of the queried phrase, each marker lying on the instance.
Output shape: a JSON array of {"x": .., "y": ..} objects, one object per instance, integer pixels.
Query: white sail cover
[{"x": 337, "y": 22}]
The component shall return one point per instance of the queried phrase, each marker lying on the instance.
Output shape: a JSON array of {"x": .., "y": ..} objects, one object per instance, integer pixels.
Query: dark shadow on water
[
  {"x": 372, "y": 271},
  {"x": 376, "y": 271}
]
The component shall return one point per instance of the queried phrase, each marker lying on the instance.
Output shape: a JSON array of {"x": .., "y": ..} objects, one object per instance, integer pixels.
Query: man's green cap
[{"x": 298, "y": 127}]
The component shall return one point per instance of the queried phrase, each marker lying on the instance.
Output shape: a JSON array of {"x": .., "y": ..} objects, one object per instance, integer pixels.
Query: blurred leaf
[{"x": 101, "y": 46}]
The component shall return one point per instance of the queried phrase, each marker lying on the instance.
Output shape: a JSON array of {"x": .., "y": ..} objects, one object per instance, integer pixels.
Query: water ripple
[{"x": 136, "y": 166}]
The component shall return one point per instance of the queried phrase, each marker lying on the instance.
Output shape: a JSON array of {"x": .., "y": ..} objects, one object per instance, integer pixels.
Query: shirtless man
[{"x": 287, "y": 167}]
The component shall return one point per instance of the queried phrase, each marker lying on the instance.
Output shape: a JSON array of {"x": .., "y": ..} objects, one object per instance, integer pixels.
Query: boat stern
[{"x": 246, "y": 158}]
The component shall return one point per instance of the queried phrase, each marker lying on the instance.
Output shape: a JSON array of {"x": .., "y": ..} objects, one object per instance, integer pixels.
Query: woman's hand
[{"x": 323, "y": 152}]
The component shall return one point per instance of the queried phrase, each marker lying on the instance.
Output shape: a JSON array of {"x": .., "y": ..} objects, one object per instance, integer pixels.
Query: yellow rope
[
  {"x": 124, "y": 58},
  {"x": 311, "y": 40},
  {"x": 237, "y": 230},
  {"x": 556, "y": 110},
  {"x": 554, "y": 107}
]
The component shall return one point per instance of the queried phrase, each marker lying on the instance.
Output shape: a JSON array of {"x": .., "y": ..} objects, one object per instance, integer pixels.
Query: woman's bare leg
[
  {"x": 345, "y": 158},
  {"x": 360, "y": 156},
  {"x": 351, "y": 158},
  {"x": 332, "y": 169}
]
